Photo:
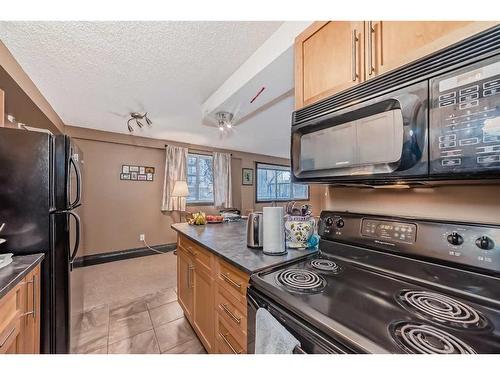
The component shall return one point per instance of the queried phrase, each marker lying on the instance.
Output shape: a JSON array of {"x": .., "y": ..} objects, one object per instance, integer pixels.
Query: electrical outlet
[{"x": 142, "y": 237}]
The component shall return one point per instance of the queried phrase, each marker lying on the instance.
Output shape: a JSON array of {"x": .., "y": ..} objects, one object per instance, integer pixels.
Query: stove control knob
[
  {"x": 329, "y": 221},
  {"x": 455, "y": 239},
  {"x": 485, "y": 243},
  {"x": 339, "y": 223}
]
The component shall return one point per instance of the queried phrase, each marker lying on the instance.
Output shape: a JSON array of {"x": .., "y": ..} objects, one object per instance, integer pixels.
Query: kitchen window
[
  {"x": 200, "y": 179},
  {"x": 274, "y": 183}
]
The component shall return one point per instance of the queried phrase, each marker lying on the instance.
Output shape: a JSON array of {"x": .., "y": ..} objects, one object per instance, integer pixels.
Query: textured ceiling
[{"x": 95, "y": 73}]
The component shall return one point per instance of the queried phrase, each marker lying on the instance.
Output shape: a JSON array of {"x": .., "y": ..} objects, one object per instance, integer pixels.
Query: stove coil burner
[
  {"x": 299, "y": 280},
  {"x": 325, "y": 265},
  {"x": 418, "y": 338},
  {"x": 442, "y": 309}
]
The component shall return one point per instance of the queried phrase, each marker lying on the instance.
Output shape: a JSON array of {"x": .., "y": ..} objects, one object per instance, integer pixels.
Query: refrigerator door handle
[
  {"x": 77, "y": 200},
  {"x": 77, "y": 239}
]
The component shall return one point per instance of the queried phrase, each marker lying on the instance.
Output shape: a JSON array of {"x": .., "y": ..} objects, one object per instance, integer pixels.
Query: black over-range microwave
[{"x": 436, "y": 119}]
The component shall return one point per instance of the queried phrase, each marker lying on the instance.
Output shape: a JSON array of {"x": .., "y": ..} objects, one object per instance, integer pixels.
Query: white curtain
[
  {"x": 223, "y": 197},
  {"x": 175, "y": 170}
]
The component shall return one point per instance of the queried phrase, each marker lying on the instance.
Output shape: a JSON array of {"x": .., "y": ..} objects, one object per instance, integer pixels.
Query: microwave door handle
[
  {"x": 77, "y": 200},
  {"x": 77, "y": 239}
]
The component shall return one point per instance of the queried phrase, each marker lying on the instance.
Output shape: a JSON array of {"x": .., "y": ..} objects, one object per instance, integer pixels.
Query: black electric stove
[{"x": 389, "y": 285}]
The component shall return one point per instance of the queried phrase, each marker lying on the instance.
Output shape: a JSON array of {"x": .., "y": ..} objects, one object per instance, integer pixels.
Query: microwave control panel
[{"x": 465, "y": 120}]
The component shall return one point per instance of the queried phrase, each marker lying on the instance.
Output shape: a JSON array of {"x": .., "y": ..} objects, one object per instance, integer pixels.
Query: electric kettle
[{"x": 255, "y": 237}]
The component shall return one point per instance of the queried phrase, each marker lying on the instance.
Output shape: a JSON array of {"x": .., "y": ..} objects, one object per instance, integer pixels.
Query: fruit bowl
[
  {"x": 197, "y": 218},
  {"x": 215, "y": 219}
]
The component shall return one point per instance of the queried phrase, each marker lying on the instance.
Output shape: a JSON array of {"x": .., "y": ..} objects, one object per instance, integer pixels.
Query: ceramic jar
[{"x": 298, "y": 230}]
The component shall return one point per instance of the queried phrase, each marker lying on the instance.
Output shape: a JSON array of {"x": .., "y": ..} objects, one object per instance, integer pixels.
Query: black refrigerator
[{"x": 40, "y": 196}]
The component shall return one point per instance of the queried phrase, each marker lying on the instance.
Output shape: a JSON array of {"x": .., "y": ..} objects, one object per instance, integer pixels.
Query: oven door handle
[
  {"x": 252, "y": 300},
  {"x": 298, "y": 350}
]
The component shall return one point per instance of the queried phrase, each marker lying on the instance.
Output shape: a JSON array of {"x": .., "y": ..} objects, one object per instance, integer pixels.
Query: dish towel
[{"x": 271, "y": 337}]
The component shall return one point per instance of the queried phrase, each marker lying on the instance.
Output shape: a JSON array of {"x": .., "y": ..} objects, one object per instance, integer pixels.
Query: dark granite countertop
[
  {"x": 229, "y": 241},
  {"x": 13, "y": 273}
]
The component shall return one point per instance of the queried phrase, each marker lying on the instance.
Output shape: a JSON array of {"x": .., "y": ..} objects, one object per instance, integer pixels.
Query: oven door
[
  {"x": 311, "y": 340},
  {"x": 377, "y": 140}
]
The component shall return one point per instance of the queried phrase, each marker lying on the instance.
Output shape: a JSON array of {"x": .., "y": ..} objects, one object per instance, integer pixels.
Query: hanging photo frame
[{"x": 247, "y": 176}]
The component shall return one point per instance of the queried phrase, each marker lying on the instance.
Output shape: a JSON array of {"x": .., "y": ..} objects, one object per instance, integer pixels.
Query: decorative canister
[{"x": 298, "y": 230}]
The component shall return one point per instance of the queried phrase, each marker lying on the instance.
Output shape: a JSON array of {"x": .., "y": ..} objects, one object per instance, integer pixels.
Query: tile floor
[
  {"x": 131, "y": 307},
  {"x": 132, "y": 278},
  {"x": 152, "y": 324}
]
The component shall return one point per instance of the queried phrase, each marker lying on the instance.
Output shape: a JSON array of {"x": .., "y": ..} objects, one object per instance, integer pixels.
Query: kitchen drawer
[
  {"x": 227, "y": 341},
  {"x": 11, "y": 309},
  {"x": 11, "y": 306},
  {"x": 187, "y": 244},
  {"x": 233, "y": 280},
  {"x": 202, "y": 256},
  {"x": 10, "y": 342},
  {"x": 186, "y": 252},
  {"x": 230, "y": 309}
]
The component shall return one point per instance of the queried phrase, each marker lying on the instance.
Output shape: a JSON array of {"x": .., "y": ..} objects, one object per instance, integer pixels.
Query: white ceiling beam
[{"x": 271, "y": 49}]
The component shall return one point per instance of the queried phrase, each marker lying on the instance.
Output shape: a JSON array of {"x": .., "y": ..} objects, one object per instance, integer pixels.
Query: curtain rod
[{"x": 200, "y": 150}]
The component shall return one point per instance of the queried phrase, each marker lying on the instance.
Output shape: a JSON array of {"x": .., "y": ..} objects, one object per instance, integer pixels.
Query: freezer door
[{"x": 25, "y": 190}]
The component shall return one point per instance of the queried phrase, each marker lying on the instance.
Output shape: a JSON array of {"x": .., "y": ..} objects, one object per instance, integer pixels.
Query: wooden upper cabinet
[
  {"x": 328, "y": 58},
  {"x": 391, "y": 44},
  {"x": 333, "y": 56}
]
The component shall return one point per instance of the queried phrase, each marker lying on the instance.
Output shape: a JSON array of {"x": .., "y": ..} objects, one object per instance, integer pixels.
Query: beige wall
[
  {"x": 23, "y": 99},
  {"x": 472, "y": 203},
  {"x": 115, "y": 212}
]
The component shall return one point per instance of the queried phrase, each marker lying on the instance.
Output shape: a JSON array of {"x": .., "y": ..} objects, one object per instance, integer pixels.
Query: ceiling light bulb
[
  {"x": 229, "y": 125},
  {"x": 221, "y": 128}
]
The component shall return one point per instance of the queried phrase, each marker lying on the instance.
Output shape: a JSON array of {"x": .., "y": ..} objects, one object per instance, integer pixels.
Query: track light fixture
[
  {"x": 136, "y": 116},
  {"x": 224, "y": 120}
]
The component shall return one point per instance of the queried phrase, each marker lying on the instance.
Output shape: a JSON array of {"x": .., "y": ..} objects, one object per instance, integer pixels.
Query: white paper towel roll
[{"x": 274, "y": 230}]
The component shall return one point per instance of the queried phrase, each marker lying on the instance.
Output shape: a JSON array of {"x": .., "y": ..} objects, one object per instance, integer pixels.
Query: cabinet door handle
[
  {"x": 371, "y": 31},
  {"x": 224, "y": 337},
  {"x": 230, "y": 281},
  {"x": 7, "y": 337},
  {"x": 381, "y": 37},
  {"x": 33, "y": 296},
  {"x": 191, "y": 282},
  {"x": 224, "y": 307},
  {"x": 354, "y": 66}
]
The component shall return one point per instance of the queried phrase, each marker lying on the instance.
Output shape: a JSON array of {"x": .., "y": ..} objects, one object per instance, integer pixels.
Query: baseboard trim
[{"x": 113, "y": 256}]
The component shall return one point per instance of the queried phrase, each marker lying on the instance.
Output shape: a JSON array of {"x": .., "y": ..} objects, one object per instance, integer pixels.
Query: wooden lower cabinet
[
  {"x": 185, "y": 266},
  {"x": 203, "y": 311},
  {"x": 212, "y": 294},
  {"x": 32, "y": 314},
  {"x": 20, "y": 317}
]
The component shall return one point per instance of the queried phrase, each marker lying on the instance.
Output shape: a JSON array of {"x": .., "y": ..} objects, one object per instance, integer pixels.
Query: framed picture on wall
[{"x": 247, "y": 176}]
